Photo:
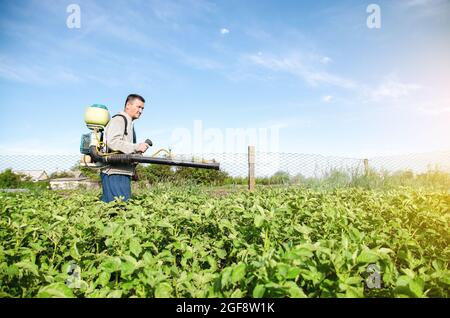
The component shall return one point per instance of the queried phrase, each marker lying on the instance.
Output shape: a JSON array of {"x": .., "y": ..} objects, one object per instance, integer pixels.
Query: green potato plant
[{"x": 186, "y": 242}]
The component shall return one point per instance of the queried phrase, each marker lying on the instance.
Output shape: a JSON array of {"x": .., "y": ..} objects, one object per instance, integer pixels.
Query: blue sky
[{"x": 313, "y": 69}]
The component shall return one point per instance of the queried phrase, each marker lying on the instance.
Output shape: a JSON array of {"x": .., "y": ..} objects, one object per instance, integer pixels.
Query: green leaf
[
  {"x": 221, "y": 253},
  {"x": 445, "y": 278},
  {"x": 303, "y": 229},
  {"x": 403, "y": 280},
  {"x": 148, "y": 258},
  {"x": 303, "y": 252},
  {"x": 226, "y": 276},
  {"x": 354, "y": 292},
  {"x": 59, "y": 218},
  {"x": 416, "y": 286},
  {"x": 163, "y": 290},
  {"x": 410, "y": 287},
  {"x": 115, "y": 294},
  {"x": 128, "y": 267},
  {"x": 103, "y": 278},
  {"x": 386, "y": 251},
  {"x": 212, "y": 262},
  {"x": 237, "y": 294},
  {"x": 293, "y": 272},
  {"x": 135, "y": 246},
  {"x": 356, "y": 233},
  {"x": 260, "y": 209},
  {"x": 258, "y": 291},
  {"x": 294, "y": 290},
  {"x": 353, "y": 280},
  {"x": 74, "y": 251},
  {"x": 367, "y": 256},
  {"x": 111, "y": 264},
  {"x": 259, "y": 221},
  {"x": 55, "y": 290},
  {"x": 238, "y": 272},
  {"x": 282, "y": 269},
  {"x": 410, "y": 273},
  {"x": 27, "y": 265}
]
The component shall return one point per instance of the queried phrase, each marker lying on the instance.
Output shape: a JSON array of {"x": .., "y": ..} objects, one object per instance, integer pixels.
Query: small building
[
  {"x": 78, "y": 174},
  {"x": 73, "y": 184},
  {"x": 34, "y": 175}
]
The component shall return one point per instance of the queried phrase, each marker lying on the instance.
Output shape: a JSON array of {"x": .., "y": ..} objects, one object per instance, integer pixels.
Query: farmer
[{"x": 119, "y": 136}]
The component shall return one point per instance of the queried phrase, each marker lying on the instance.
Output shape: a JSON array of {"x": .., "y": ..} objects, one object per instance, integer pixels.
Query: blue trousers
[{"x": 115, "y": 185}]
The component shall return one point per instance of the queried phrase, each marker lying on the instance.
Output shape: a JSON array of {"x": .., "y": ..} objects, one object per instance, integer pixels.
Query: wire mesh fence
[
  {"x": 417, "y": 163},
  {"x": 266, "y": 163},
  {"x": 269, "y": 163},
  {"x": 48, "y": 163}
]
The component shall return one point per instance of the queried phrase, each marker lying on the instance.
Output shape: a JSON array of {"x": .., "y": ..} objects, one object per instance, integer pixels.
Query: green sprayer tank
[{"x": 96, "y": 116}]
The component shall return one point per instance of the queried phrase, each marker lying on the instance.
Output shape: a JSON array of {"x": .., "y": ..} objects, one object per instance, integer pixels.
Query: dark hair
[{"x": 133, "y": 97}]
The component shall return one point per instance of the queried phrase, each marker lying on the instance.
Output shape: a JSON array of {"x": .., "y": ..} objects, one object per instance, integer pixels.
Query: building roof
[
  {"x": 78, "y": 174},
  {"x": 69, "y": 179},
  {"x": 33, "y": 174}
]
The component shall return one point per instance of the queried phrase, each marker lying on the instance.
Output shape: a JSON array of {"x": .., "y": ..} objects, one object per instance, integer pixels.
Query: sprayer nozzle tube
[{"x": 133, "y": 158}]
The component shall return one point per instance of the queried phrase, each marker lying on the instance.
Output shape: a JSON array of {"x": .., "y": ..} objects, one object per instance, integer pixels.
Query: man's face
[{"x": 134, "y": 108}]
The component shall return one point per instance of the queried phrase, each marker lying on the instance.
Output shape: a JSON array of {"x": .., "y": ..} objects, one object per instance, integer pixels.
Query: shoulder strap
[
  {"x": 126, "y": 125},
  {"x": 126, "y": 122}
]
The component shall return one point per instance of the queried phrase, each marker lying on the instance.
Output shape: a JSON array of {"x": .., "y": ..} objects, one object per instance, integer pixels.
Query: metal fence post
[{"x": 251, "y": 168}]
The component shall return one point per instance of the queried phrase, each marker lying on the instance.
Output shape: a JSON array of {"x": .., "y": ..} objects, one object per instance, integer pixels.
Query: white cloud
[
  {"x": 434, "y": 111},
  {"x": 414, "y": 3},
  {"x": 426, "y": 8},
  {"x": 173, "y": 11},
  {"x": 32, "y": 73},
  {"x": 300, "y": 67},
  {"x": 439, "y": 107},
  {"x": 327, "y": 98},
  {"x": 325, "y": 60},
  {"x": 391, "y": 87},
  {"x": 224, "y": 31}
]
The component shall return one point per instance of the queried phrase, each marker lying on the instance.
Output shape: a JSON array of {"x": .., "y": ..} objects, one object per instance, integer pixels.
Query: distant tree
[
  {"x": 200, "y": 176},
  {"x": 9, "y": 179},
  {"x": 61, "y": 174},
  {"x": 298, "y": 179},
  {"x": 90, "y": 173},
  {"x": 155, "y": 173},
  {"x": 280, "y": 177},
  {"x": 337, "y": 178}
]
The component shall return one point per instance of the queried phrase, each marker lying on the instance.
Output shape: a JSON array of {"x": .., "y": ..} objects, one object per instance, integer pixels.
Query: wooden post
[
  {"x": 251, "y": 168},
  {"x": 366, "y": 166}
]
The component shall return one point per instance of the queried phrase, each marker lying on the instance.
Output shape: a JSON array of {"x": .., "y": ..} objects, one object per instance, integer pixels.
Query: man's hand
[{"x": 142, "y": 147}]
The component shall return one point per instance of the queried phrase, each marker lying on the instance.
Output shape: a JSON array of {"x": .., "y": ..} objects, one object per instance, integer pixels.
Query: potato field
[{"x": 199, "y": 242}]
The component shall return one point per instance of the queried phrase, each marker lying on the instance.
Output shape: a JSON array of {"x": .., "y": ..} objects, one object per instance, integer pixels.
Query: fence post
[
  {"x": 366, "y": 166},
  {"x": 251, "y": 168}
]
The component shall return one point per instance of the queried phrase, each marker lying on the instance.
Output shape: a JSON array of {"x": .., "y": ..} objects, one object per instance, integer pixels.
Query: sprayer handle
[{"x": 149, "y": 142}]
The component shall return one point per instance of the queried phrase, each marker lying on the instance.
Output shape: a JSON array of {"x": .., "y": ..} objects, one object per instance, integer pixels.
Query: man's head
[{"x": 134, "y": 106}]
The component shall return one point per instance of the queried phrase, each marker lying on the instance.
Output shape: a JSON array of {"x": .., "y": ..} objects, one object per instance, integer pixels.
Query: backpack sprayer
[{"x": 95, "y": 153}]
